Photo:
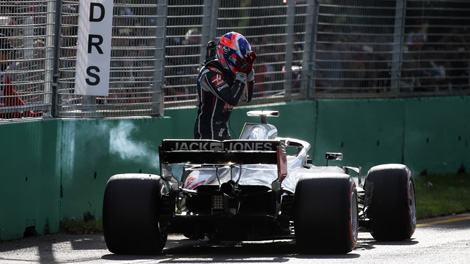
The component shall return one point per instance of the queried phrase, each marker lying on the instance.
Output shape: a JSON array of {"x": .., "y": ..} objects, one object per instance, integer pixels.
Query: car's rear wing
[
  {"x": 215, "y": 152},
  {"x": 219, "y": 152}
]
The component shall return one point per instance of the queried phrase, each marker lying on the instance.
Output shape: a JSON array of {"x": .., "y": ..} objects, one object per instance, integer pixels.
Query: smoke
[{"x": 121, "y": 144}]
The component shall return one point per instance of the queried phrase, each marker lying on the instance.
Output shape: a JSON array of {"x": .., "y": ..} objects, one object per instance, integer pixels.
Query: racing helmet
[{"x": 232, "y": 50}]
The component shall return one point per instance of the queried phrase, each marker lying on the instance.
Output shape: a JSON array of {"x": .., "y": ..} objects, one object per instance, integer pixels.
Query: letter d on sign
[
  {"x": 101, "y": 13},
  {"x": 94, "y": 47}
]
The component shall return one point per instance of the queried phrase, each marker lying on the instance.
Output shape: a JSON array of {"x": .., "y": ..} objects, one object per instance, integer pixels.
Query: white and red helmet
[{"x": 232, "y": 50}]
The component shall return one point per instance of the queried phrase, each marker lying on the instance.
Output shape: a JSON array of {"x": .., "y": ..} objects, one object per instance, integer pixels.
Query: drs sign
[{"x": 94, "y": 47}]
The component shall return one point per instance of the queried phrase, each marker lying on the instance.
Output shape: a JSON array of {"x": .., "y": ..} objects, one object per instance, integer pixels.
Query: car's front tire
[
  {"x": 325, "y": 214},
  {"x": 131, "y": 214}
]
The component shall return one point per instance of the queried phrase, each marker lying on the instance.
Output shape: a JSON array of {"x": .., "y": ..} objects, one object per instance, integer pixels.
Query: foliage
[
  {"x": 89, "y": 225},
  {"x": 439, "y": 195}
]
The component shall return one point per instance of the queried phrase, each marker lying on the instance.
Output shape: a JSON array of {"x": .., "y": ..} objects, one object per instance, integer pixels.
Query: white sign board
[{"x": 94, "y": 47}]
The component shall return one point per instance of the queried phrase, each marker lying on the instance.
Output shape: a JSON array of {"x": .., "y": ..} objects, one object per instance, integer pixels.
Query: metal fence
[
  {"x": 132, "y": 66},
  {"x": 26, "y": 30},
  {"x": 274, "y": 29},
  {"x": 392, "y": 48},
  {"x": 306, "y": 50}
]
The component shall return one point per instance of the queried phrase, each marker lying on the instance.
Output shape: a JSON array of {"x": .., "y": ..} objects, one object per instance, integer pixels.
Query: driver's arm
[{"x": 212, "y": 81}]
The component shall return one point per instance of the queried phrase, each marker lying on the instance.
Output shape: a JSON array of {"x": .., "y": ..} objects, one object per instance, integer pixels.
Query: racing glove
[
  {"x": 245, "y": 70},
  {"x": 247, "y": 64}
]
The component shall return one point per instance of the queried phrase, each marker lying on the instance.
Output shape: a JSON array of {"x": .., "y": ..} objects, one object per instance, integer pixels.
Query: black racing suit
[{"x": 219, "y": 91}]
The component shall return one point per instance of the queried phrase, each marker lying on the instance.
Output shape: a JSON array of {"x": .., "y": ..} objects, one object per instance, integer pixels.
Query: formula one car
[{"x": 258, "y": 187}]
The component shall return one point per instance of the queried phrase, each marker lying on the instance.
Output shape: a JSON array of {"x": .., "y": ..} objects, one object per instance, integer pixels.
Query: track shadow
[
  {"x": 189, "y": 251},
  {"x": 44, "y": 246}
]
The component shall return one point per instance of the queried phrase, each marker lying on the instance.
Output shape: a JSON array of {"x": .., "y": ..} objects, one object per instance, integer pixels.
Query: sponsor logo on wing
[
  {"x": 221, "y": 146},
  {"x": 218, "y": 81}
]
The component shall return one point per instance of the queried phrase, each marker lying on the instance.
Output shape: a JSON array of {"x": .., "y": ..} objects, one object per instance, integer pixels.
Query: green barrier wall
[
  {"x": 29, "y": 182},
  {"x": 56, "y": 168},
  {"x": 94, "y": 150},
  {"x": 437, "y": 134}
]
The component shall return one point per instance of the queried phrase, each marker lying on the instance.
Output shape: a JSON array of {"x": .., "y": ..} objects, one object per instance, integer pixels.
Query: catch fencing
[{"x": 307, "y": 50}]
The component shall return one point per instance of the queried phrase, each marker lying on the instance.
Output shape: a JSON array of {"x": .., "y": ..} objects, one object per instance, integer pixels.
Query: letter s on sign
[
  {"x": 268, "y": 146},
  {"x": 93, "y": 74}
]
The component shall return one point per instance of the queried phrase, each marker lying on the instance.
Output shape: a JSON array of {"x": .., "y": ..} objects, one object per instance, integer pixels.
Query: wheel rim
[{"x": 412, "y": 202}]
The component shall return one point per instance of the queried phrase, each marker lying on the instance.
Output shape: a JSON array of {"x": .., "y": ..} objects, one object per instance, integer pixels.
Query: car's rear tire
[
  {"x": 390, "y": 202},
  {"x": 325, "y": 214},
  {"x": 131, "y": 214}
]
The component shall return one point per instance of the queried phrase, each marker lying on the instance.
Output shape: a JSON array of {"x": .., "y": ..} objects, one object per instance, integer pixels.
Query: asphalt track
[{"x": 440, "y": 240}]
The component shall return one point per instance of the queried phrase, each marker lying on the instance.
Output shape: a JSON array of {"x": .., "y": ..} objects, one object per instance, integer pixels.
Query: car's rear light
[{"x": 218, "y": 202}]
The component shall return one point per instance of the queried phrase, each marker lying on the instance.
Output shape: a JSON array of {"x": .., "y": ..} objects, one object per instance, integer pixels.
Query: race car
[{"x": 258, "y": 187}]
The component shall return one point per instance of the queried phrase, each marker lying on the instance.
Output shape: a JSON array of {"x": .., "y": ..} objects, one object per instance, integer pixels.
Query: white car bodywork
[{"x": 258, "y": 174}]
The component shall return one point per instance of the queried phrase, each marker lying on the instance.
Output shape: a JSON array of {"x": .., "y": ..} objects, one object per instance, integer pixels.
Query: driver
[{"x": 222, "y": 82}]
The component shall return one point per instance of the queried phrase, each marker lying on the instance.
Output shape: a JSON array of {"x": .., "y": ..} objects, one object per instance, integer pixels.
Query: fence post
[
  {"x": 49, "y": 63},
  {"x": 397, "y": 57},
  {"x": 56, "y": 56},
  {"x": 308, "y": 57},
  {"x": 209, "y": 25},
  {"x": 289, "y": 49},
  {"x": 214, "y": 19},
  {"x": 159, "y": 72}
]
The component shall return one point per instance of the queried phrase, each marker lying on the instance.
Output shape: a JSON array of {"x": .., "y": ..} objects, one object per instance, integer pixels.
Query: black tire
[
  {"x": 390, "y": 202},
  {"x": 131, "y": 209},
  {"x": 325, "y": 211}
]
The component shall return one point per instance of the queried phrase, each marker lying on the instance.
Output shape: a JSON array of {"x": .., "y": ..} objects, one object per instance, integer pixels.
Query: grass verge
[
  {"x": 89, "y": 225},
  {"x": 440, "y": 195}
]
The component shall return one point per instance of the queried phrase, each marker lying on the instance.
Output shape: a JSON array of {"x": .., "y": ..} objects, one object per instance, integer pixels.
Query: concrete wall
[
  {"x": 56, "y": 168},
  {"x": 29, "y": 182}
]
